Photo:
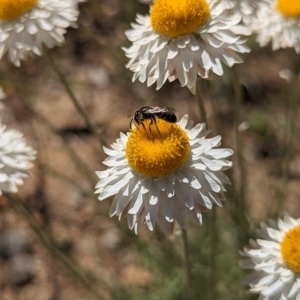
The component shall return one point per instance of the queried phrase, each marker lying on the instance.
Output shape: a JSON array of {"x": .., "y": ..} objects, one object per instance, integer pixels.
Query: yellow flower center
[
  {"x": 11, "y": 9},
  {"x": 289, "y": 8},
  {"x": 177, "y": 17},
  {"x": 157, "y": 150},
  {"x": 290, "y": 249}
]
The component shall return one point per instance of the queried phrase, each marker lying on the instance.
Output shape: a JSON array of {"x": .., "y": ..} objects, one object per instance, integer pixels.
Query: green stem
[
  {"x": 291, "y": 116},
  {"x": 213, "y": 230},
  {"x": 187, "y": 267},
  {"x": 200, "y": 103},
  {"x": 75, "y": 158},
  {"x": 28, "y": 104},
  {"x": 48, "y": 243},
  {"x": 214, "y": 240},
  {"x": 240, "y": 186},
  {"x": 73, "y": 98},
  {"x": 57, "y": 174}
]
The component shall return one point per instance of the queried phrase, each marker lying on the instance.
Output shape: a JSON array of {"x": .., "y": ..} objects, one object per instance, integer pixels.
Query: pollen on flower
[
  {"x": 11, "y": 9},
  {"x": 154, "y": 153},
  {"x": 177, "y": 17},
  {"x": 289, "y": 8},
  {"x": 290, "y": 249}
]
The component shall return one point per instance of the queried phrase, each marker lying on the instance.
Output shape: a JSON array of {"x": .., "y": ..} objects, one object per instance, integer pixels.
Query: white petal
[
  {"x": 183, "y": 194},
  {"x": 168, "y": 207},
  {"x": 136, "y": 204}
]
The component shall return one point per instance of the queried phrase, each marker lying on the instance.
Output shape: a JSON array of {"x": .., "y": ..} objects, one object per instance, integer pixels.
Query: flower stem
[
  {"x": 213, "y": 230},
  {"x": 56, "y": 174},
  {"x": 29, "y": 104},
  {"x": 48, "y": 243},
  {"x": 240, "y": 190},
  {"x": 76, "y": 159},
  {"x": 291, "y": 116},
  {"x": 187, "y": 267},
  {"x": 74, "y": 100},
  {"x": 200, "y": 103}
]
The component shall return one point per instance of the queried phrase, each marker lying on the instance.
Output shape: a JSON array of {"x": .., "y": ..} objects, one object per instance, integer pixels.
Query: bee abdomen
[{"x": 167, "y": 117}]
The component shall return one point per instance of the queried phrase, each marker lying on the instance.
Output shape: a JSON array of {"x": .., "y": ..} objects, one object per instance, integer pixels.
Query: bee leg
[
  {"x": 150, "y": 125},
  {"x": 142, "y": 125},
  {"x": 154, "y": 119}
]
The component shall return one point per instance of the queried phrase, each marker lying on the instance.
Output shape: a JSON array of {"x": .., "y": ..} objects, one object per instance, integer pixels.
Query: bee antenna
[
  {"x": 129, "y": 116},
  {"x": 130, "y": 124}
]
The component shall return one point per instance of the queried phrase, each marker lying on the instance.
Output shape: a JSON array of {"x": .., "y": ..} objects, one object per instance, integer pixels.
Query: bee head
[{"x": 137, "y": 116}]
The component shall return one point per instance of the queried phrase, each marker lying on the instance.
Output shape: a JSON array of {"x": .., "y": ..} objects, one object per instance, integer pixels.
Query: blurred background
[{"x": 60, "y": 244}]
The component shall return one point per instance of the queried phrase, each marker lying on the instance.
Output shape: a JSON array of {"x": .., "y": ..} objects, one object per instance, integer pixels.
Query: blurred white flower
[
  {"x": 169, "y": 173},
  {"x": 15, "y": 157},
  {"x": 2, "y": 94},
  {"x": 278, "y": 22},
  {"x": 146, "y": 1},
  {"x": 286, "y": 74},
  {"x": 246, "y": 9},
  {"x": 275, "y": 260},
  {"x": 244, "y": 126},
  {"x": 184, "y": 39},
  {"x": 27, "y": 25}
]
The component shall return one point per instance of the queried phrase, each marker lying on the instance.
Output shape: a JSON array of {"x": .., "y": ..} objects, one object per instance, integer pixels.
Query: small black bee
[{"x": 153, "y": 112}]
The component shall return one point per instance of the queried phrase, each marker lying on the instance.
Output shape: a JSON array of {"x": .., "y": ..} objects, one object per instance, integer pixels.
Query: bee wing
[
  {"x": 160, "y": 109},
  {"x": 155, "y": 110}
]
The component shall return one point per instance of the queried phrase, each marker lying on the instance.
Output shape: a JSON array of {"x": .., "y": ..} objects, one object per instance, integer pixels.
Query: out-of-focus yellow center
[
  {"x": 11, "y": 9},
  {"x": 154, "y": 153},
  {"x": 290, "y": 249},
  {"x": 177, "y": 17},
  {"x": 289, "y": 8}
]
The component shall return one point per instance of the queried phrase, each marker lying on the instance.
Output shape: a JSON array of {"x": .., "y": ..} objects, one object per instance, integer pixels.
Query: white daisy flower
[
  {"x": 15, "y": 157},
  {"x": 164, "y": 173},
  {"x": 245, "y": 9},
  {"x": 183, "y": 39},
  {"x": 275, "y": 260},
  {"x": 279, "y": 23},
  {"x": 25, "y": 25}
]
